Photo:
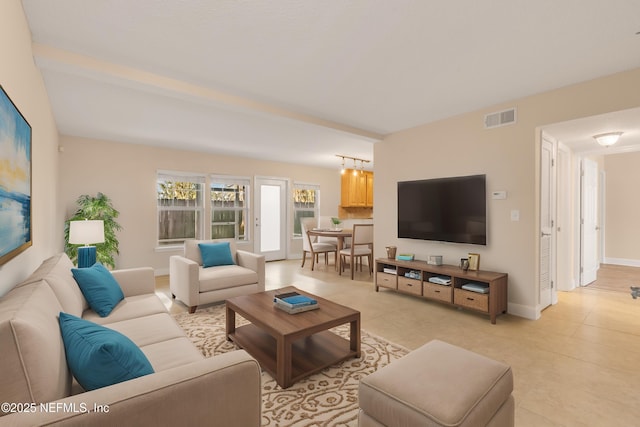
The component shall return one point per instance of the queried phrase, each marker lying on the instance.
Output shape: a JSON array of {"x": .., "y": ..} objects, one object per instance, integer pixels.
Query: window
[
  {"x": 180, "y": 207},
  {"x": 306, "y": 203},
  {"x": 229, "y": 207}
]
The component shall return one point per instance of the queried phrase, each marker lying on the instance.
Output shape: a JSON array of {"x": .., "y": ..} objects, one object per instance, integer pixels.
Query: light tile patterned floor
[{"x": 579, "y": 365}]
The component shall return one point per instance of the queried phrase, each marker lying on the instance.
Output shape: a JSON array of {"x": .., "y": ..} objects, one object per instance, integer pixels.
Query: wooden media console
[{"x": 391, "y": 274}]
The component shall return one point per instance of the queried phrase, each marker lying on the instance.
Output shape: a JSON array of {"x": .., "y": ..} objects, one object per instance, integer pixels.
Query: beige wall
[
  {"x": 23, "y": 83},
  {"x": 126, "y": 173},
  {"x": 509, "y": 157},
  {"x": 456, "y": 146},
  {"x": 622, "y": 208}
]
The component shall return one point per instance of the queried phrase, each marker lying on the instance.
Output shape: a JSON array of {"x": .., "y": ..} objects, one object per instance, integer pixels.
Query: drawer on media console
[
  {"x": 439, "y": 292},
  {"x": 470, "y": 299},
  {"x": 411, "y": 286},
  {"x": 386, "y": 280}
]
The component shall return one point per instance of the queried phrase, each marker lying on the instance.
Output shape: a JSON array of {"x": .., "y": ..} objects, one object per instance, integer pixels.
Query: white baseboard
[
  {"x": 572, "y": 286},
  {"x": 523, "y": 311},
  {"x": 161, "y": 272},
  {"x": 622, "y": 261}
]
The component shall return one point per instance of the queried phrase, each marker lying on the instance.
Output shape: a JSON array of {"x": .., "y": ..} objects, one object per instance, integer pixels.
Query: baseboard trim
[
  {"x": 571, "y": 287},
  {"x": 161, "y": 272},
  {"x": 623, "y": 261},
  {"x": 523, "y": 311}
]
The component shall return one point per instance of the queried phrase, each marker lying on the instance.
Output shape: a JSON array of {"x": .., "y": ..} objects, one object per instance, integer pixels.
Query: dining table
[{"x": 339, "y": 233}]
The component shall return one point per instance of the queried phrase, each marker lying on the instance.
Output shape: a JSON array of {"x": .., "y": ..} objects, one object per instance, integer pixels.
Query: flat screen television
[{"x": 450, "y": 209}]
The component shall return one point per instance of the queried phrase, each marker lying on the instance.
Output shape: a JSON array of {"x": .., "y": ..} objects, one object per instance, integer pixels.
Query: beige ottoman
[{"x": 438, "y": 384}]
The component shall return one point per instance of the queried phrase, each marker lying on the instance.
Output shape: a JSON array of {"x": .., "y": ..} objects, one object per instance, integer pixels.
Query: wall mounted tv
[{"x": 444, "y": 209}]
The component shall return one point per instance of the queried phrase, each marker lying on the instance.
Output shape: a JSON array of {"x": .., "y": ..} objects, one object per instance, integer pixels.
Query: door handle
[{"x": 545, "y": 234}]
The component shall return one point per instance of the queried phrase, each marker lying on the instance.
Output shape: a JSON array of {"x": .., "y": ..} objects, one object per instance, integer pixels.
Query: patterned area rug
[{"x": 328, "y": 398}]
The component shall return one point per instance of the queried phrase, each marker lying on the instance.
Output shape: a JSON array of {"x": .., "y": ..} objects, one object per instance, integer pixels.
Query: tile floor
[{"x": 579, "y": 365}]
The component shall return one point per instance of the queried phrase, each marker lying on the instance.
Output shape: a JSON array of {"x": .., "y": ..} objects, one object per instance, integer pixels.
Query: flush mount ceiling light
[{"x": 607, "y": 139}]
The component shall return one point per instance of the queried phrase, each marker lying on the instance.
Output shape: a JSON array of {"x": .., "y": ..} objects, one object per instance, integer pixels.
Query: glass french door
[{"x": 271, "y": 218}]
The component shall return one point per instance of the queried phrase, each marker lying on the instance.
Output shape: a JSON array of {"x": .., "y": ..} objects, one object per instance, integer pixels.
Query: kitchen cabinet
[{"x": 357, "y": 189}]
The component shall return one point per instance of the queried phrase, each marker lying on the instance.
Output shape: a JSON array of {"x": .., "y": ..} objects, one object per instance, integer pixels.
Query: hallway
[{"x": 616, "y": 278}]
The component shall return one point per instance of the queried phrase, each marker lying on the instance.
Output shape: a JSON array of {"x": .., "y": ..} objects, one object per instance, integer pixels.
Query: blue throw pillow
[
  {"x": 214, "y": 254},
  {"x": 99, "y": 287},
  {"x": 99, "y": 356}
]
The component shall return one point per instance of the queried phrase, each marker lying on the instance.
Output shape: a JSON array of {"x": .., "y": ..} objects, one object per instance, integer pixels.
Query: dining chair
[
  {"x": 361, "y": 246},
  {"x": 324, "y": 222},
  {"x": 312, "y": 246}
]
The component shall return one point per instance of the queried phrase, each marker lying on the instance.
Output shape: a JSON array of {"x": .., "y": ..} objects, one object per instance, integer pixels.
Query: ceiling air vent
[{"x": 501, "y": 118}]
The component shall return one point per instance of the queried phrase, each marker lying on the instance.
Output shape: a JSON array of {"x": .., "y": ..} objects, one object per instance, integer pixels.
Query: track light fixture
[{"x": 355, "y": 166}]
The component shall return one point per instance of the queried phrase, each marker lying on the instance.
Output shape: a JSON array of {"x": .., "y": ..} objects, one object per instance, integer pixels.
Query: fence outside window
[
  {"x": 181, "y": 213},
  {"x": 180, "y": 208},
  {"x": 229, "y": 207},
  {"x": 306, "y": 204}
]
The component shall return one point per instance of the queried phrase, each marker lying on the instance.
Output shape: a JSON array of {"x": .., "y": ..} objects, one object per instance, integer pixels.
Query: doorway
[
  {"x": 271, "y": 218},
  {"x": 547, "y": 236},
  {"x": 581, "y": 200},
  {"x": 589, "y": 258}
]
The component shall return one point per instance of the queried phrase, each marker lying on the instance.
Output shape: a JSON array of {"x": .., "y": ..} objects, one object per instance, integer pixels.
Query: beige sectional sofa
[{"x": 185, "y": 388}]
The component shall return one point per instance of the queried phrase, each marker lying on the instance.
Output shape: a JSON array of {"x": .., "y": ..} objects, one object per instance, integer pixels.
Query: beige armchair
[{"x": 195, "y": 285}]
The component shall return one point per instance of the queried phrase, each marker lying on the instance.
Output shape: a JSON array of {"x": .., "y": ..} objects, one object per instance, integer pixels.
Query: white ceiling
[{"x": 302, "y": 81}]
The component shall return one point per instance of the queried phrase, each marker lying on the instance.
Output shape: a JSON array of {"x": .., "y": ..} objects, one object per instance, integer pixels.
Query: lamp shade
[{"x": 86, "y": 232}]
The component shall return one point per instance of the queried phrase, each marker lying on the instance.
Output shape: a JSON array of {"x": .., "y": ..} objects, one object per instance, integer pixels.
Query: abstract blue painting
[{"x": 15, "y": 180}]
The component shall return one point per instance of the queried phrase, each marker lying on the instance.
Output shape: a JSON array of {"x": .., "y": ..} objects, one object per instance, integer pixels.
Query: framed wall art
[{"x": 15, "y": 180}]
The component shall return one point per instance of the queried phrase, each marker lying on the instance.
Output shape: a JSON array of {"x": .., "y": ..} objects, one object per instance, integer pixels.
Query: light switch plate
[{"x": 515, "y": 215}]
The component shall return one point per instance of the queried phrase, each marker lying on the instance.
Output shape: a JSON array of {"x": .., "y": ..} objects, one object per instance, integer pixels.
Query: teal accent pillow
[
  {"x": 99, "y": 287},
  {"x": 99, "y": 356},
  {"x": 214, "y": 254}
]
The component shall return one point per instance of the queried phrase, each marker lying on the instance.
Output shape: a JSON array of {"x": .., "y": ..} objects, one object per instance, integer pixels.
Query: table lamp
[{"x": 86, "y": 233}]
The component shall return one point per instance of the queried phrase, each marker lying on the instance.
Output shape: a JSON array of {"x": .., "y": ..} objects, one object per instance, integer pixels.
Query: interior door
[
  {"x": 547, "y": 212},
  {"x": 271, "y": 218},
  {"x": 589, "y": 222},
  {"x": 564, "y": 223}
]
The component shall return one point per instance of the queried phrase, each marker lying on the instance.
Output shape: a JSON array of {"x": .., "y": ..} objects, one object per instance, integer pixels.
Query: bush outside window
[
  {"x": 229, "y": 207},
  {"x": 306, "y": 204},
  {"x": 180, "y": 208},
  {"x": 181, "y": 213}
]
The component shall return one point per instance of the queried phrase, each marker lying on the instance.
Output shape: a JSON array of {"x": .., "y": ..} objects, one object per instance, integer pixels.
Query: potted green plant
[
  {"x": 96, "y": 208},
  {"x": 336, "y": 222}
]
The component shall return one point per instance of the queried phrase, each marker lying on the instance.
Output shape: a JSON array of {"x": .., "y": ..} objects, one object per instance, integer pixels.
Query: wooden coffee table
[{"x": 292, "y": 346}]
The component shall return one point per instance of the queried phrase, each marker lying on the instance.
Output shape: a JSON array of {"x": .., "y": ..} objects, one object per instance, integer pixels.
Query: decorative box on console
[{"x": 434, "y": 260}]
